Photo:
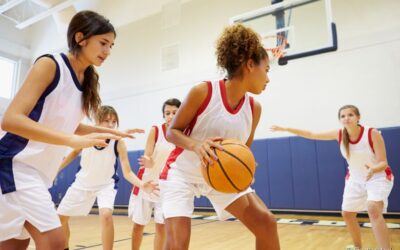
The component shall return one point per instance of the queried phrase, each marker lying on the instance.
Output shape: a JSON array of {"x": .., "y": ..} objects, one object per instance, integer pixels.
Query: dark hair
[
  {"x": 171, "y": 102},
  {"x": 345, "y": 134},
  {"x": 104, "y": 111},
  {"x": 236, "y": 45},
  {"x": 89, "y": 23}
]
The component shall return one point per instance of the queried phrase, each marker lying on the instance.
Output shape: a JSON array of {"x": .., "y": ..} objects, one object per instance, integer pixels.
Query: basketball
[{"x": 234, "y": 170}]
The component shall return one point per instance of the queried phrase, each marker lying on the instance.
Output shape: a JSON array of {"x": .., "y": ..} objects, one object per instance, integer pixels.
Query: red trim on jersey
[
  {"x": 187, "y": 131},
  {"x": 340, "y": 136},
  {"x": 359, "y": 136},
  {"x": 347, "y": 175},
  {"x": 171, "y": 159},
  {"x": 156, "y": 135},
  {"x": 251, "y": 99},
  {"x": 164, "y": 130},
  {"x": 207, "y": 100},
  {"x": 371, "y": 143},
  {"x": 389, "y": 173},
  {"x": 135, "y": 189},
  {"x": 225, "y": 100}
]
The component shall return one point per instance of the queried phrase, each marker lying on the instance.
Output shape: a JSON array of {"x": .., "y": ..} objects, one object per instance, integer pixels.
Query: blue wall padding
[{"x": 292, "y": 173}]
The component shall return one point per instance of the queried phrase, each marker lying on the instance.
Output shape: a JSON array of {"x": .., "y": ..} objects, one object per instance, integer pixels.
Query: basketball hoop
[{"x": 276, "y": 45}]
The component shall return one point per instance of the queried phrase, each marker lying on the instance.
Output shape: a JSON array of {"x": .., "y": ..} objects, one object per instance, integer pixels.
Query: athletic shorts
[
  {"x": 79, "y": 202},
  {"x": 357, "y": 194},
  {"x": 177, "y": 198},
  {"x": 31, "y": 204},
  {"x": 140, "y": 210}
]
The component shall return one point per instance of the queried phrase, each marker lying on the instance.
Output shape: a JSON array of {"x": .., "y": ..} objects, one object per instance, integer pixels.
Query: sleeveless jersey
[
  {"x": 361, "y": 153},
  {"x": 59, "y": 108},
  {"x": 98, "y": 167},
  {"x": 162, "y": 150},
  {"x": 215, "y": 118}
]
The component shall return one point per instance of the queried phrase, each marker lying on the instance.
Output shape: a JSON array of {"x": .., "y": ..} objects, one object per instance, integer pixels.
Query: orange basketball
[{"x": 234, "y": 170}]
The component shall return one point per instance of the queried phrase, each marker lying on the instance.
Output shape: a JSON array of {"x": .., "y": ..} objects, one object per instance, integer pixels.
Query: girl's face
[
  {"x": 348, "y": 118},
  {"x": 97, "y": 48},
  {"x": 169, "y": 113},
  {"x": 258, "y": 76},
  {"x": 110, "y": 121}
]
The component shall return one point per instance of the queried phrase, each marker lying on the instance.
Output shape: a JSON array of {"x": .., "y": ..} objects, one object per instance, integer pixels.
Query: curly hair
[{"x": 236, "y": 45}]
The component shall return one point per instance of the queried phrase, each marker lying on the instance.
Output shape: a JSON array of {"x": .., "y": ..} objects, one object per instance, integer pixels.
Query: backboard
[{"x": 306, "y": 25}]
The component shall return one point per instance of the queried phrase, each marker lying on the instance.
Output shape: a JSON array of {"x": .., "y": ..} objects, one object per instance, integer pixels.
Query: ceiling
[{"x": 25, "y": 13}]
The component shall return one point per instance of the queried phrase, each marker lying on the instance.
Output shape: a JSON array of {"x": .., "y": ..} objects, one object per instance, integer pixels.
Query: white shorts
[
  {"x": 79, "y": 202},
  {"x": 356, "y": 194},
  {"x": 33, "y": 205},
  {"x": 140, "y": 210},
  {"x": 177, "y": 198}
]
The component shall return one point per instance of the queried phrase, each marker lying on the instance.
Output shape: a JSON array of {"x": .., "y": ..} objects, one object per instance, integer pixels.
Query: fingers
[
  {"x": 134, "y": 131},
  {"x": 100, "y": 143},
  {"x": 104, "y": 136}
]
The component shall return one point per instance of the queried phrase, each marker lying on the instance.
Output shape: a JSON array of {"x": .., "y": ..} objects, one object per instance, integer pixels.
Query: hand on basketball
[
  {"x": 90, "y": 140},
  {"x": 151, "y": 187},
  {"x": 205, "y": 152},
  {"x": 145, "y": 161},
  {"x": 370, "y": 171},
  {"x": 276, "y": 128}
]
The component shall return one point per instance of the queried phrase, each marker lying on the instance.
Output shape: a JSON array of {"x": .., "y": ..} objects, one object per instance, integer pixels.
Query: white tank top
[
  {"x": 361, "y": 153},
  {"x": 215, "y": 118},
  {"x": 98, "y": 167},
  {"x": 162, "y": 150},
  {"x": 60, "y": 108}
]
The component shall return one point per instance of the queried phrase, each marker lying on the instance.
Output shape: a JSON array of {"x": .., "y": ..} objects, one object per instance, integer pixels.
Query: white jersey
[
  {"x": 59, "y": 108},
  {"x": 361, "y": 153},
  {"x": 98, "y": 167},
  {"x": 162, "y": 149},
  {"x": 215, "y": 118}
]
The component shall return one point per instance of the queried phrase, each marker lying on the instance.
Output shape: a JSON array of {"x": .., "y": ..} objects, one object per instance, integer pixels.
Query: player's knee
[
  {"x": 347, "y": 215},
  {"x": 57, "y": 243},
  {"x": 374, "y": 211},
  {"x": 268, "y": 223},
  {"x": 107, "y": 218}
]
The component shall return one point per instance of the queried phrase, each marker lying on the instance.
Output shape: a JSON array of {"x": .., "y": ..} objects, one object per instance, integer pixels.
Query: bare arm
[
  {"x": 326, "y": 136},
  {"x": 16, "y": 118},
  {"x": 127, "y": 170},
  {"x": 70, "y": 157},
  {"x": 256, "y": 119},
  {"x": 186, "y": 112},
  {"x": 146, "y": 160},
  {"x": 380, "y": 154},
  {"x": 84, "y": 129}
]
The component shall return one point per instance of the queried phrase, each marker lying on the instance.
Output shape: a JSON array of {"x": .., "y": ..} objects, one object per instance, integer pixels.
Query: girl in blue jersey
[
  {"x": 44, "y": 118},
  {"x": 97, "y": 178}
]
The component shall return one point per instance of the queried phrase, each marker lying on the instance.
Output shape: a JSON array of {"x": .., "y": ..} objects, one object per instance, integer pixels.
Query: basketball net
[{"x": 275, "y": 46}]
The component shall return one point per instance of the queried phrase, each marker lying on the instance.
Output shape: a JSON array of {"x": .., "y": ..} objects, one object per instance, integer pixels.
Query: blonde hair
[{"x": 104, "y": 111}]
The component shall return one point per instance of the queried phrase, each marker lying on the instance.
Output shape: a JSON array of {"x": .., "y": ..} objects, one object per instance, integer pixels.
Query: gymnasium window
[{"x": 8, "y": 69}]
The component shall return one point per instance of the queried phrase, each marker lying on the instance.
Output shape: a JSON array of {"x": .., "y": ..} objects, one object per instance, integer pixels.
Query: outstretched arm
[
  {"x": 16, "y": 119},
  {"x": 326, "y": 136},
  {"x": 149, "y": 186},
  {"x": 84, "y": 129},
  {"x": 70, "y": 157}
]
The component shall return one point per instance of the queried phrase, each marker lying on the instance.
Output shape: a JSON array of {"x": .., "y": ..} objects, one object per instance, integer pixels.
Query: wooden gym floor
[{"x": 295, "y": 232}]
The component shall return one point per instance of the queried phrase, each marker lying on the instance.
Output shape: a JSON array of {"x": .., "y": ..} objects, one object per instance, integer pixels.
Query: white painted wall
[{"x": 306, "y": 93}]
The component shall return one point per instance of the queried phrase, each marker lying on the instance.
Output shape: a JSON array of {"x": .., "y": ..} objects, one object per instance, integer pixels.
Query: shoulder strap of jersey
[
  {"x": 371, "y": 143},
  {"x": 156, "y": 135}
]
